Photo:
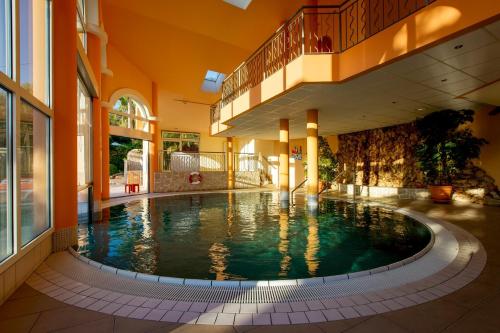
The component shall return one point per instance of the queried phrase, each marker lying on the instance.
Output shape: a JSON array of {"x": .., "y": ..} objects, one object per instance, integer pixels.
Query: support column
[
  {"x": 105, "y": 152},
  {"x": 312, "y": 157},
  {"x": 230, "y": 164},
  {"x": 284, "y": 161},
  {"x": 94, "y": 55},
  {"x": 154, "y": 146},
  {"x": 65, "y": 124}
]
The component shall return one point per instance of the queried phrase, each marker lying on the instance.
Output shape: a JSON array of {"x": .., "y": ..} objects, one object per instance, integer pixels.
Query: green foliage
[
  {"x": 446, "y": 146},
  {"x": 327, "y": 162},
  {"x": 118, "y": 149}
]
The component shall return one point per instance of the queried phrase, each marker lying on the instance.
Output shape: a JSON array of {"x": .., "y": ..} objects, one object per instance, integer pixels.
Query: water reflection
[
  {"x": 283, "y": 243},
  {"x": 312, "y": 243},
  {"x": 249, "y": 236}
]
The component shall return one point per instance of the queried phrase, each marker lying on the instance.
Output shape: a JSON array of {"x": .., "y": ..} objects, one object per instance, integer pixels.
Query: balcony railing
[{"x": 315, "y": 30}]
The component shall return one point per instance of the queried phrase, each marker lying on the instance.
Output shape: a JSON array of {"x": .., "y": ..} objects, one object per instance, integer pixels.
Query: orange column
[
  {"x": 94, "y": 55},
  {"x": 154, "y": 146},
  {"x": 284, "y": 168},
  {"x": 105, "y": 153},
  {"x": 230, "y": 164},
  {"x": 65, "y": 123},
  {"x": 312, "y": 157}
]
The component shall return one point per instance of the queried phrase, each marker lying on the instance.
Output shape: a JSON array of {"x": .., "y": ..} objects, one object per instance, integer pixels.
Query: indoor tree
[{"x": 446, "y": 145}]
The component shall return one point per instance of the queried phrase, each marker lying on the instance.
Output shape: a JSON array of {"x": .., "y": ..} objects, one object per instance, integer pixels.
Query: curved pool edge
[
  {"x": 75, "y": 282},
  {"x": 267, "y": 283}
]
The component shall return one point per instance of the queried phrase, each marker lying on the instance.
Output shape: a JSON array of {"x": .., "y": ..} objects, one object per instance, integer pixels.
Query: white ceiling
[{"x": 395, "y": 94}]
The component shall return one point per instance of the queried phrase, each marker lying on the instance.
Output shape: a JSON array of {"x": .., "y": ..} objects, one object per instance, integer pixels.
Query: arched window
[{"x": 129, "y": 113}]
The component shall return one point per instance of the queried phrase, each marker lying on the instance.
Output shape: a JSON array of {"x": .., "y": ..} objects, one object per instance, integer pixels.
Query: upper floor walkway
[{"x": 325, "y": 53}]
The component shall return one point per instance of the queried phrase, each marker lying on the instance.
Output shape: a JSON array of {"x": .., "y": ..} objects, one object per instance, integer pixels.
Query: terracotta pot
[{"x": 441, "y": 193}]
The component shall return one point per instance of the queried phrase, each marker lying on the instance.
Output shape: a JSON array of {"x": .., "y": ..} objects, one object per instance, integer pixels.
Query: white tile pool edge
[{"x": 465, "y": 266}]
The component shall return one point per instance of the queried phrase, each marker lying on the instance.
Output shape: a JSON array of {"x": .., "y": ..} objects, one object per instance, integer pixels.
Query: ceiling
[
  {"x": 397, "y": 93},
  {"x": 176, "y": 42}
]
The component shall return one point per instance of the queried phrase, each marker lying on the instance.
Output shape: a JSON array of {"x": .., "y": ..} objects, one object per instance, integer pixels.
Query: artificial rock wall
[
  {"x": 385, "y": 158},
  {"x": 381, "y": 157}
]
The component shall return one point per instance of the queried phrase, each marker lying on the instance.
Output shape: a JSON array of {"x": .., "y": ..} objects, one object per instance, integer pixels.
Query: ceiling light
[
  {"x": 459, "y": 46},
  {"x": 420, "y": 109},
  {"x": 242, "y": 4}
]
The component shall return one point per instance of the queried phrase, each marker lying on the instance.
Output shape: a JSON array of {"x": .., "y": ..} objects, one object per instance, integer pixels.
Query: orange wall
[
  {"x": 187, "y": 117},
  {"x": 125, "y": 75}
]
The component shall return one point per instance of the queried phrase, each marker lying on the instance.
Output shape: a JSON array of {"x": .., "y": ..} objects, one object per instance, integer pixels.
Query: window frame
[
  {"x": 130, "y": 116},
  {"x": 178, "y": 140},
  {"x": 17, "y": 94}
]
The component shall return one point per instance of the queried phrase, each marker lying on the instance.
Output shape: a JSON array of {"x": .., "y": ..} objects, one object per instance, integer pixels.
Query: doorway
[{"x": 128, "y": 166}]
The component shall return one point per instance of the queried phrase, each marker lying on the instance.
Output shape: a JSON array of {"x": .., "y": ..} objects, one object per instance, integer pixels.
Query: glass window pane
[
  {"x": 171, "y": 135},
  {"x": 190, "y": 147},
  {"x": 35, "y": 47},
  {"x": 33, "y": 156},
  {"x": 6, "y": 238},
  {"x": 84, "y": 136},
  {"x": 191, "y": 136},
  {"x": 5, "y": 37}
]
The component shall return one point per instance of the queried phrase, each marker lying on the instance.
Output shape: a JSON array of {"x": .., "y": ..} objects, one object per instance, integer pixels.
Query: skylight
[
  {"x": 243, "y": 4},
  {"x": 213, "y": 81},
  {"x": 212, "y": 76}
]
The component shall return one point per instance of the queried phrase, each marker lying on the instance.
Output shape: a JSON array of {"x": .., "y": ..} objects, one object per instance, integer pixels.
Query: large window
[
  {"x": 84, "y": 154},
  {"x": 129, "y": 113},
  {"x": 84, "y": 138},
  {"x": 177, "y": 142},
  {"x": 25, "y": 138},
  {"x": 5, "y": 37},
  {"x": 6, "y": 226},
  {"x": 35, "y": 47},
  {"x": 33, "y": 146}
]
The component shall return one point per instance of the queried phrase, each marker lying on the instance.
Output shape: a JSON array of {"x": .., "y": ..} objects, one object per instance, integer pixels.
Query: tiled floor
[{"x": 474, "y": 308}]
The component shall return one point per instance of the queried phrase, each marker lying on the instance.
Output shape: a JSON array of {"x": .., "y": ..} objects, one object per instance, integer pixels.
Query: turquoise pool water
[{"x": 248, "y": 236}]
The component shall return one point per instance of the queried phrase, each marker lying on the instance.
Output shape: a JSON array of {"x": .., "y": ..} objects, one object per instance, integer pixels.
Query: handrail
[
  {"x": 316, "y": 30},
  {"x": 297, "y": 187}
]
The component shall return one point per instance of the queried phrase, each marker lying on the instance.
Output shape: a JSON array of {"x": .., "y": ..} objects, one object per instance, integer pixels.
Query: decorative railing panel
[
  {"x": 247, "y": 162},
  {"x": 316, "y": 30},
  {"x": 189, "y": 162}
]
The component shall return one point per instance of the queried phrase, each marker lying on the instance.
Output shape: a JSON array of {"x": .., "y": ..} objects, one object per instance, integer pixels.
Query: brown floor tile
[
  {"x": 470, "y": 295},
  {"x": 341, "y": 325},
  {"x": 288, "y": 329},
  {"x": 67, "y": 317},
  {"x": 24, "y": 291},
  {"x": 376, "y": 324},
  {"x": 105, "y": 325},
  {"x": 28, "y": 305},
  {"x": 18, "y": 324}
]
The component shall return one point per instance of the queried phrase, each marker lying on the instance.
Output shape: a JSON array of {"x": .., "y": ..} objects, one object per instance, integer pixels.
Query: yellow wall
[
  {"x": 187, "y": 117},
  {"x": 486, "y": 126}
]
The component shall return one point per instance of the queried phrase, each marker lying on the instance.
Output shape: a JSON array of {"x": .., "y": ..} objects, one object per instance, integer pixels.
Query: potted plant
[
  {"x": 446, "y": 147},
  {"x": 327, "y": 164}
]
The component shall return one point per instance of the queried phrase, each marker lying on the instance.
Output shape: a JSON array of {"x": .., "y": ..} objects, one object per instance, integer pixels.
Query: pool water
[{"x": 247, "y": 236}]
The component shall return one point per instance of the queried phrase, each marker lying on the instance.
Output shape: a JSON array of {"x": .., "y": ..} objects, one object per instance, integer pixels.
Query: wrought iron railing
[{"x": 315, "y": 30}]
